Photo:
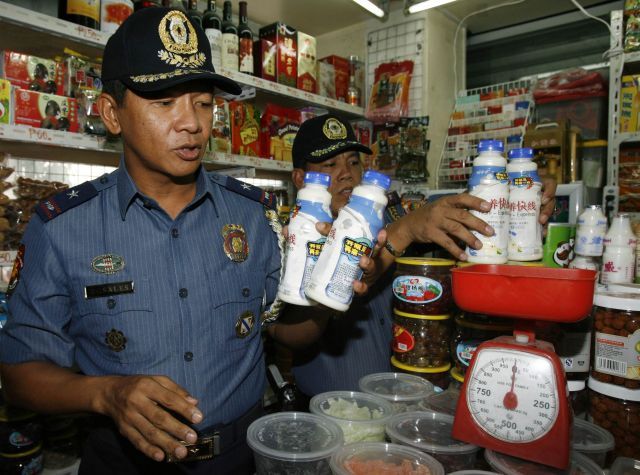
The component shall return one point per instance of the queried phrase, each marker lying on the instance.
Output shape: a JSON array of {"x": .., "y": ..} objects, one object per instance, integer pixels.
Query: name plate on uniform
[{"x": 105, "y": 290}]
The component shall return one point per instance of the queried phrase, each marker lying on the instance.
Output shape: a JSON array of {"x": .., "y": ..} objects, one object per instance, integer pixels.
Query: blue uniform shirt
[{"x": 191, "y": 308}]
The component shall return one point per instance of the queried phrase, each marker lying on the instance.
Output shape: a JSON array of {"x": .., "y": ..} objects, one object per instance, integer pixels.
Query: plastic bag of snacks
[
  {"x": 632, "y": 25},
  {"x": 385, "y": 148},
  {"x": 389, "y": 99},
  {"x": 413, "y": 149}
]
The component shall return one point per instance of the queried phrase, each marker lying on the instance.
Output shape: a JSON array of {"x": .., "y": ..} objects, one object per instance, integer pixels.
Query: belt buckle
[{"x": 204, "y": 448}]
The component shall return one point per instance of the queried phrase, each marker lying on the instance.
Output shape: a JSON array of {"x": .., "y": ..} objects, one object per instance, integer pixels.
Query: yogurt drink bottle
[
  {"x": 525, "y": 198},
  {"x": 618, "y": 259},
  {"x": 592, "y": 226},
  {"x": 489, "y": 181},
  {"x": 304, "y": 242},
  {"x": 352, "y": 235}
]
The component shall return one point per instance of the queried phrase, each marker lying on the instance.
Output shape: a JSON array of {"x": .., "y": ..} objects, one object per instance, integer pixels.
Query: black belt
[{"x": 220, "y": 438}]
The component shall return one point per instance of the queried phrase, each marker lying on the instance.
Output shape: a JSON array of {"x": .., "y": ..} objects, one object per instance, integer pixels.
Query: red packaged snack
[
  {"x": 33, "y": 73},
  {"x": 245, "y": 129},
  {"x": 287, "y": 51},
  {"x": 389, "y": 98},
  {"x": 46, "y": 111},
  {"x": 278, "y": 127},
  {"x": 341, "y": 66},
  {"x": 264, "y": 59}
]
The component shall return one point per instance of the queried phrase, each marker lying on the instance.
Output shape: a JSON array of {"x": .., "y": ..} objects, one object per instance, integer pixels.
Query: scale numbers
[{"x": 512, "y": 395}]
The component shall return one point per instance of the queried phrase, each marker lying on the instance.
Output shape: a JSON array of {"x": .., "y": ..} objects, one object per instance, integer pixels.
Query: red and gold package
[
  {"x": 46, "y": 111},
  {"x": 245, "y": 129},
  {"x": 389, "y": 98},
  {"x": 220, "y": 140},
  {"x": 33, "y": 73},
  {"x": 363, "y": 130},
  {"x": 341, "y": 66},
  {"x": 80, "y": 73},
  {"x": 264, "y": 59},
  {"x": 385, "y": 148},
  {"x": 307, "y": 63},
  {"x": 278, "y": 127},
  {"x": 287, "y": 52}
]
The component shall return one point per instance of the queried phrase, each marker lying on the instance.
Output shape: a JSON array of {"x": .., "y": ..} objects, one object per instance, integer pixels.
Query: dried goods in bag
[{"x": 389, "y": 99}]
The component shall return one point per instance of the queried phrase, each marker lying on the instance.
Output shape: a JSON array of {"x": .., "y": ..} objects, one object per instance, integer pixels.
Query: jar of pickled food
[
  {"x": 471, "y": 330},
  {"x": 617, "y": 409},
  {"x": 20, "y": 442},
  {"x": 616, "y": 339},
  {"x": 457, "y": 379},
  {"x": 422, "y": 286},
  {"x": 421, "y": 340},
  {"x": 438, "y": 376}
]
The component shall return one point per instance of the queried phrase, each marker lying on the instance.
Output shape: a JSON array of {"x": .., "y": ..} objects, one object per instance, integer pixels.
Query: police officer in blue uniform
[{"x": 153, "y": 281}]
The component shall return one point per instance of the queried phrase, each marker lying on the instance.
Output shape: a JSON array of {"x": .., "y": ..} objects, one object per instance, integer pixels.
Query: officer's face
[
  {"x": 166, "y": 133},
  {"x": 346, "y": 172}
]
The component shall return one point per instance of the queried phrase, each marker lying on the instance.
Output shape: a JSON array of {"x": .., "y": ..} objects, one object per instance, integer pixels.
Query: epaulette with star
[
  {"x": 254, "y": 193},
  {"x": 65, "y": 200}
]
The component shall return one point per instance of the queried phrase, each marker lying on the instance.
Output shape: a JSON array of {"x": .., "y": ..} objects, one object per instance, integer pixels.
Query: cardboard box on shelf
[
  {"x": 6, "y": 102},
  {"x": 245, "y": 129},
  {"x": 307, "y": 63},
  {"x": 278, "y": 127},
  {"x": 629, "y": 103},
  {"x": 80, "y": 73},
  {"x": 220, "y": 140},
  {"x": 286, "y": 51},
  {"x": 264, "y": 59},
  {"x": 326, "y": 80},
  {"x": 341, "y": 79},
  {"x": 46, "y": 111},
  {"x": 31, "y": 72}
]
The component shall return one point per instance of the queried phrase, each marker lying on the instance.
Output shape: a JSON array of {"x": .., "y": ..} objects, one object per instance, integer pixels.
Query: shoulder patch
[
  {"x": 252, "y": 192},
  {"x": 65, "y": 200}
]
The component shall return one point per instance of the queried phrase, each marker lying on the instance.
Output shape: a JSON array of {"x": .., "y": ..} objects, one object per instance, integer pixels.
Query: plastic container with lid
[
  {"x": 471, "y": 330},
  {"x": 591, "y": 441},
  {"x": 423, "y": 286},
  {"x": 579, "y": 397},
  {"x": 361, "y": 416},
  {"x": 402, "y": 390},
  {"x": 617, "y": 409},
  {"x": 616, "y": 339},
  {"x": 579, "y": 465},
  {"x": 438, "y": 376},
  {"x": 625, "y": 466},
  {"x": 378, "y": 457},
  {"x": 421, "y": 340},
  {"x": 444, "y": 402},
  {"x": 430, "y": 432},
  {"x": 293, "y": 442}
]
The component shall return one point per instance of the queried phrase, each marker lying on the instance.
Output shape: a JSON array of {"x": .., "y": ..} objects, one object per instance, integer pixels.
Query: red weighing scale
[{"x": 515, "y": 399}]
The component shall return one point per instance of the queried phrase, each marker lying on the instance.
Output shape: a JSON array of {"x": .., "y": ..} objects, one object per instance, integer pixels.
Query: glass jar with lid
[
  {"x": 421, "y": 340},
  {"x": 422, "y": 286},
  {"x": 616, "y": 339},
  {"x": 20, "y": 442},
  {"x": 438, "y": 376}
]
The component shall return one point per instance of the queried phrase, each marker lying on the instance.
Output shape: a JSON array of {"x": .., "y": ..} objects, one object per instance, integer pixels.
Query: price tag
[{"x": 39, "y": 135}]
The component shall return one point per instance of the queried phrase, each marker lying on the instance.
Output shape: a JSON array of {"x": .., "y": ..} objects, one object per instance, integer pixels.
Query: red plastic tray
[{"x": 533, "y": 293}]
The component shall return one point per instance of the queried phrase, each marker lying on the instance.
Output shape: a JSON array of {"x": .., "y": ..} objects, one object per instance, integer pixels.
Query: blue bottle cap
[
  {"x": 514, "y": 138},
  {"x": 317, "y": 178},
  {"x": 526, "y": 152},
  {"x": 490, "y": 145},
  {"x": 377, "y": 178}
]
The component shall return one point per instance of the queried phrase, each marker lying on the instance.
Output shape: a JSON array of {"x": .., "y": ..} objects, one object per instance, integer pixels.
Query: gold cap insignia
[
  {"x": 235, "y": 242},
  {"x": 245, "y": 323},
  {"x": 180, "y": 40},
  {"x": 333, "y": 129}
]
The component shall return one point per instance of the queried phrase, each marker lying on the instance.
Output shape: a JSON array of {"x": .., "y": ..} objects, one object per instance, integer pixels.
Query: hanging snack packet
[
  {"x": 414, "y": 146},
  {"x": 389, "y": 98}
]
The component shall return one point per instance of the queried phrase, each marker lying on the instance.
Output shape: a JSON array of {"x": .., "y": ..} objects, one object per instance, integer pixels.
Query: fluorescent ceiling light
[
  {"x": 371, "y": 7},
  {"x": 418, "y": 7}
]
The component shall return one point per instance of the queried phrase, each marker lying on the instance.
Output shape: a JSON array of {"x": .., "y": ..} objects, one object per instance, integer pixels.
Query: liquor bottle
[
  {"x": 175, "y": 4},
  {"x": 229, "y": 39},
  {"x": 353, "y": 93},
  {"x": 212, "y": 25},
  {"x": 245, "y": 38},
  {"x": 81, "y": 12},
  {"x": 144, "y": 4},
  {"x": 193, "y": 13}
]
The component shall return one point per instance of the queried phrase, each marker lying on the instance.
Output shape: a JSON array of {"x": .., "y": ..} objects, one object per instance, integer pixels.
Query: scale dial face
[{"x": 512, "y": 395}]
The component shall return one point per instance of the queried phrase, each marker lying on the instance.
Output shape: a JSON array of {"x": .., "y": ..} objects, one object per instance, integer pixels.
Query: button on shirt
[{"x": 187, "y": 293}]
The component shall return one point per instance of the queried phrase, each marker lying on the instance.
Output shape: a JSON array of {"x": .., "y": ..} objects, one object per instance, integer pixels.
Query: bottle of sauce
[{"x": 81, "y": 12}]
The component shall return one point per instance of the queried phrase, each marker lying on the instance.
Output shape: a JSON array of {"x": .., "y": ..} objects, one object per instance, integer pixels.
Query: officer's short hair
[{"x": 116, "y": 89}]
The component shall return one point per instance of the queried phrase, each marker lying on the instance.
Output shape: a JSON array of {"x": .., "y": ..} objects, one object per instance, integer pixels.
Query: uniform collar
[{"x": 127, "y": 190}]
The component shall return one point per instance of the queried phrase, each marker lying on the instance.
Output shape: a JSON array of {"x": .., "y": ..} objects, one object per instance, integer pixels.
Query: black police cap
[
  {"x": 323, "y": 137},
  {"x": 158, "y": 48}
]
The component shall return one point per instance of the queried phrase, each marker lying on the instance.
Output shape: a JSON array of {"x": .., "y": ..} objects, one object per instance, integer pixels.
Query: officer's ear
[
  {"x": 108, "y": 108},
  {"x": 297, "y": 176}
]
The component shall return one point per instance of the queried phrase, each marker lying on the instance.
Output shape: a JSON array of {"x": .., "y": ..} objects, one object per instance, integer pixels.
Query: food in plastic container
[
  {"x": 361, "y": 416},
  {"x": 625, "y": 466},
  {"x": 293, "y": 443},
  {"x": 579, "y": 465},
  {"x": 591, "y": 441},
  {"x": 403, "y": 391},
  {"x": 444, "y": 402},
  {"x": 430, "y": 432},
  {"x": 373, "y": 458}
]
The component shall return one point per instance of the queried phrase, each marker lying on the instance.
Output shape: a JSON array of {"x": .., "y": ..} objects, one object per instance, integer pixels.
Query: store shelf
[
  {"x": 214, "y": 160},
  {"x": 510, "y": 115},
  {"x": 43, "y": 35},
  {"x": 460, "y": 106},
  {"x": 489, "y": 134},
  {"x": 633, "y": 57},
  {"x": 627, "y": 137}
]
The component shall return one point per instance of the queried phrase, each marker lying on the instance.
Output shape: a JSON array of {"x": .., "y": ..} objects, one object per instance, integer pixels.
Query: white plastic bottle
[
  {"x": 352, "y": 235},
  {"x": 592, "y": 226},
  {"x": 618, "y": 259},
  {"x": 304, "y": 242},
  {"x": 489, "y": 181},
  {"x": 525, "y": 198}
]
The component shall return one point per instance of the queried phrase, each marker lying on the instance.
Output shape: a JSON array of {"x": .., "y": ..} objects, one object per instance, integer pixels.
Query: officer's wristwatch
[{"x": 394, "y": 252}]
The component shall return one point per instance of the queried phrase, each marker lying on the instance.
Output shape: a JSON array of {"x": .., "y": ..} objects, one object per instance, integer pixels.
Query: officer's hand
[
  {"x": 445, "y": 220},
  {"x": 146, "y": 408},
  {"x": 549, "y": 187}
]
